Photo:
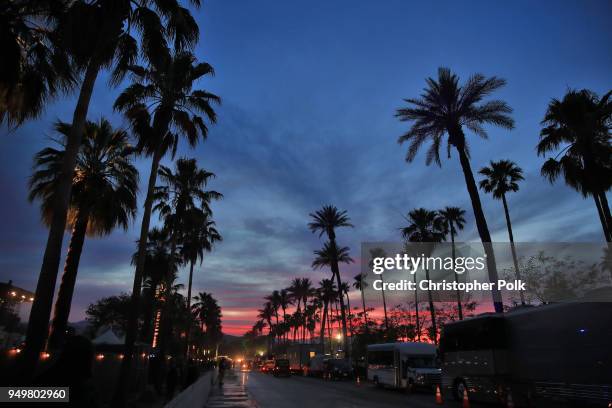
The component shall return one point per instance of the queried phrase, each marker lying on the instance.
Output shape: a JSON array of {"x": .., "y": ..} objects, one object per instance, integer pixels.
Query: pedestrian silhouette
[
  {"x": 73, "y": 369},
  {"x": 171, "y": 380}
]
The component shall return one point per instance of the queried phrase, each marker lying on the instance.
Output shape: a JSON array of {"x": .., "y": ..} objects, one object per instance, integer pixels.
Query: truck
[
  {"x": 299, "y": 356},
  {"x": 403, "y": 365},
  {"x": 550, "y": 355}
]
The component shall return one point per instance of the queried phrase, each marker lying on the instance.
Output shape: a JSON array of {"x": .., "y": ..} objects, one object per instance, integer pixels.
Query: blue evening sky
[{"x": 309, "y": 92}]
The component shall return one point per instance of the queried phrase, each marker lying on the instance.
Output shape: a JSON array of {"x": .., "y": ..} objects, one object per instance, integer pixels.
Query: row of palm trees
[
  {"x": 576, "y": 127},
  {"x": 104, "y": 197},
  {"x": 311, "y": 307},
  {"x": 53, "y": 47}
]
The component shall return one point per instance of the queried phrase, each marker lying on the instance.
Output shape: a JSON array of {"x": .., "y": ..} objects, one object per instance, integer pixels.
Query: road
[{"x": 266, "y": 391}]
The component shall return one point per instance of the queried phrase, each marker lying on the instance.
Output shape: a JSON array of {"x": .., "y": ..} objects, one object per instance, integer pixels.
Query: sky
[{"x": 309, "y": 91}]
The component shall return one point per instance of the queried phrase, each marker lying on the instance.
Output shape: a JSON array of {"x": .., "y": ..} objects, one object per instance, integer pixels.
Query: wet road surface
[{"x": 254, "y": 389}]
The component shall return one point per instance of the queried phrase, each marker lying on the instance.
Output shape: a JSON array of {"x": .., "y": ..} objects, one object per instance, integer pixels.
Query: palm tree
[
  {"x": 380, "y": 253},
  {"x": 427, "y": 228},
  {"x": 326, "y": 293},
  {"x": 158, "y": 266},
  {"x": 165, "y": 88},
  {"x": 453, "y": 220},
  {"x": 301, "y": 289},
  {"x": 578, "y": 127},
  {"x": 34, "y": 68},
  {"x": 284, "y": 300},
  {"x": 326, "y": 220},
  {"x": 208, "y": 312},
  {"x": 103, "y": 198},
  {"x": 184, "y": 204},
  {"x": 502, "y": 177},
  {"x": 360, "y": 284},
  {"x": 445, "y": 107},
  {"x": 266, "y": 314},
  {"x": 344, "y": 291},
  {"x": 181, "y": 193},
  {"x": 105, "y": 39},
  {"x": 274, "y": 299},
  {"x": 199, "y": 236}
]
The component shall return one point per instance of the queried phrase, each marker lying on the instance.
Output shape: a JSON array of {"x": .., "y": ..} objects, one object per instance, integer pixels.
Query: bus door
[
  {"x": 403, "y": 372},
  {"x": 397, "y": 368}
]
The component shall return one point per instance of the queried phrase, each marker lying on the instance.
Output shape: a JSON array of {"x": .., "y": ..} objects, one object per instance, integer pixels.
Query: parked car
[
  {"x": 281, "y": 368},
  {"x": 337, "y": 369},
  {"x": 267, "y": 366}
]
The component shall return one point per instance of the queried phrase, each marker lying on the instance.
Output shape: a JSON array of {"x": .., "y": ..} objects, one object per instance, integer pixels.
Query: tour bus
[
  {"x": 403, "y": 365},
  {"x": 551, "y": 355}
]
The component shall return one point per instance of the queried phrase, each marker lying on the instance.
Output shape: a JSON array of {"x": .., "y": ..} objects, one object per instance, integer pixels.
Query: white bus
[{"x": 403, "y": 365}]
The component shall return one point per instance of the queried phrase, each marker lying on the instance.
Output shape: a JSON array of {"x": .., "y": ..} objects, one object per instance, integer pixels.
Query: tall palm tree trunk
[
  {"x": 454, "y": 254},
  {"x": 147, "y": 324},
  {"x": 166, "y": 321},
  {"x": 363, "y": 304},
  {"x": 384, "y": 306},
  {"x": 188, "y": 331},
  {"x": 38, "y": 324},
  {"x": 512, "y": 247},
  {"x": 132, "y": 323},
  {"x": 348, "y": 305},
  {"x": 481, "y": 222},
  {"x": 432, "y": 310},
  {"x": 329, "y": 330},
  {"x": 336, "y": 271},
  {"x": 64, "y": 296},
  {"x": 606, "y": 210},
  {"x": 416, "y": 307},
  {"x": 323, "y": 320},
  {"x": 597, "y": 197}
]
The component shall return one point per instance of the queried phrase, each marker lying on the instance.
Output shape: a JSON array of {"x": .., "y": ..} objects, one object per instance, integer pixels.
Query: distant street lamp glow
[{"x": 338, "y": 336}]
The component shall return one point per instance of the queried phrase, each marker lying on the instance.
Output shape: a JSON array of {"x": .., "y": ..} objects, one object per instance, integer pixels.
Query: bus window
[
  {"x": 481, "y": 334},
  {"x": 421, "y": 362},
  {"x": 381, "y": 358}
]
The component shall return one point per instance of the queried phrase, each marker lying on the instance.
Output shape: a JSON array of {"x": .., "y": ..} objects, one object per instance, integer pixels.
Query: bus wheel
[{"x": 459, "y": 389}]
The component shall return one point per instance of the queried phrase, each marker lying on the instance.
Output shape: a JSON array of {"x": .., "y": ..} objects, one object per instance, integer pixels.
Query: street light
[{"x": 339, "y": 336}]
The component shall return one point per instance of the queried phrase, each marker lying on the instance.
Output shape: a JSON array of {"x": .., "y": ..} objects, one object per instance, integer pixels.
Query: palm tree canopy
[
  {"x": 327, "y": 290},
  {"x": 501, "y": 177},
  {"x": 453, "y": 218},
  {"x": 445, "y": 107},
  {"x": 158, "y": 264},
  {"x": 327, "y": 219},
  {"x": 329, "y": 253},
  {"x": 166, "y": 87},
  {"x": 207, "y": 310},
  {"x": 33, "y": 67},
  {"x": 105, "y": 182},
  {"x": 578, "y": 126},
  {"x": 183, "y": 190},
  {"x": 359, "y": 282},
  {"x": 300, "y": 289},
  {"x": 424, "y": 226},
  {"x": 199, "y": 235}
]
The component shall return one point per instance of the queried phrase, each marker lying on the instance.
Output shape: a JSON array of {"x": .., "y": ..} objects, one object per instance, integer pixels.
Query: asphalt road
[{"x": 267, "y": 391}]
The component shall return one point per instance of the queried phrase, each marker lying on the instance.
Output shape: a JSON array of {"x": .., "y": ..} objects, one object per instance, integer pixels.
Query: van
[{"x": 403, "y": 365}]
